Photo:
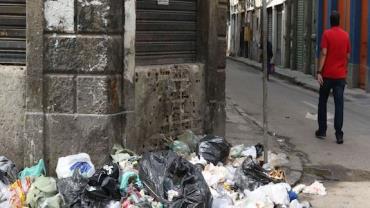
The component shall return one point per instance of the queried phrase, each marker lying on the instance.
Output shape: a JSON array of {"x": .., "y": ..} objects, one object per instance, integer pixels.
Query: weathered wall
[
  {"x": 12, "y": 101},
  {"x": 169, "y": 99},
  {"x": 76, "y": 104},
  {"x": 212, "y": 52},
  {"x": 84, "y": 91}
]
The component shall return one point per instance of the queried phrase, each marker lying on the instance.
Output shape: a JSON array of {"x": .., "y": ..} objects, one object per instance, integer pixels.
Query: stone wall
[
  {"x": 81, "y": 103},
  {"x": 84, "y": 92},
  {"x": 12, "y": 101},
  {"x": 169, "y": 99},
  {"x": 212, "y": 52}
]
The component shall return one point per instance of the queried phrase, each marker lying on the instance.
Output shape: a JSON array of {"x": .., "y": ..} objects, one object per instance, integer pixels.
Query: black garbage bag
[
  {"x": 213, "y": 149},
  {"x": 103, "y": 185},
  {"x": 111, "y": 171},
  {"x": 259, "y": 149},
  {"x": 250, "y": 176},
  {"x": 72, "y": 189},
  {"x": 165, "y": 171},
  {"x": 8, "y": 171}
]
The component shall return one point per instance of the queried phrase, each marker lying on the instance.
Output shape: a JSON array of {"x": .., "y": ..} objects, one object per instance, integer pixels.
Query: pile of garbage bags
[{"x": 195, "y": 172}]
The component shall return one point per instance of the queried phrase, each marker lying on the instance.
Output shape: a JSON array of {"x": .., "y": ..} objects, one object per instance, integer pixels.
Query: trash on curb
[
  {"x": 164, "y": 171},
  {"x": 72, "y": 189},
  {"x": 35, "y": 171},
  {"x": 67, "y": 165},
  {"x": 130, "y": 178},
  {"x": 104, "y": 184},
  {"x": 18, "y": 192},
  {"x": 43, "y": 193},
  {"x": 213, "y": 149},
  {"x": 316, "y": 188},
  {"x": 180, "y": 148},
  {"x": 250, "y": 176},
  {"x": 126, "y": 159},
  {"x": 201, "y": 173},
  {"x": 189, "y": 138},
  {"x": 297, "y": 204},
  {"x": 8, "y": 171}
]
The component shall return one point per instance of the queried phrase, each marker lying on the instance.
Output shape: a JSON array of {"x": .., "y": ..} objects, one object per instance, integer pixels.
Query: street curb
[
  {"x": 279, "y": 75},
  {"x": 294, "y": 170}
]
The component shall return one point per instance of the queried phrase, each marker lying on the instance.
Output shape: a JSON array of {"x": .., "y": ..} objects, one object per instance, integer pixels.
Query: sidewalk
[{"x": 304, "y": 80}]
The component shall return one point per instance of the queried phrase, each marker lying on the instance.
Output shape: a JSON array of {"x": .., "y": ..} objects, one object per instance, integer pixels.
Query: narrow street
[{"x": 292, "y": 112}]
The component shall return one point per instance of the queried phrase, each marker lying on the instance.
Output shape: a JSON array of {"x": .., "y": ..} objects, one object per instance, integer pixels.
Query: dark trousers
[{"x": 337, "y": 85}]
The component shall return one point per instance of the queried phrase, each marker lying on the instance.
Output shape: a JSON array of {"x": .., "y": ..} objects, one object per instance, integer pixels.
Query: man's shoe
[
  {"x": 320, "y": 135},
  {"x": 339, "y": 137}
]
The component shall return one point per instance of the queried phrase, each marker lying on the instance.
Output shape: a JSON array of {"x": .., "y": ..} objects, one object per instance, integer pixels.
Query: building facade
[
  {"x": 291, "y": 31},
  {"x": 99, "y": 72},
  {"x": 355, "y": 20}
]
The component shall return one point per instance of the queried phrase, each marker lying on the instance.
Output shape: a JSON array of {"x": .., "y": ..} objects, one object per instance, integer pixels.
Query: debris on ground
[
  {"x": 316, "y": 188},
  {"x": 202, "y": 172},
  {"x": 35, "y": 171},
  {"x": 81, "y": 162},
  {"x": 164, "y": 173},
  {"x": 213, "y": 149}
]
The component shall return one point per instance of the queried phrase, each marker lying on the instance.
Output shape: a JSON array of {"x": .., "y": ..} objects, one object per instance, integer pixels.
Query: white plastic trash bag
[
  {"x": 299, "y": 188},
  {"x": 296, "y": 204},
  {"x": 221, "y": 200},
  {"x": 250, "y": 151},
  {"x": 67, "y": 165},
  {"x": 275, "y": 193},
  {"x": 4, "y": 195},
  {"x": 255, "y": 199},
  {"x": 114, "y": 204},
  {"x": 217, "y": 174}
]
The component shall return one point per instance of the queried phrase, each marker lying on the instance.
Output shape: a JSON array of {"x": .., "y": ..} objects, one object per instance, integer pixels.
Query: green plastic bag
[
  {"x": 189, "y": 138},
  {"x": 236, "y": 151},
  {"x": 127, "y": 178},
  {"x": 180, "y": 148},
  {"x": 44, "y": 193},
  {"x": 34, "y": 171}
]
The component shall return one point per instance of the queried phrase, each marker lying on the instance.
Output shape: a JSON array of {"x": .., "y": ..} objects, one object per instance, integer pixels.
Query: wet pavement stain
[{"x": 336, "y": 173}]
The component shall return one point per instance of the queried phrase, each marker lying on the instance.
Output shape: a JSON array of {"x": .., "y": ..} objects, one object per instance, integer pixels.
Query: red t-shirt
[{"x": 337, "y": 43}]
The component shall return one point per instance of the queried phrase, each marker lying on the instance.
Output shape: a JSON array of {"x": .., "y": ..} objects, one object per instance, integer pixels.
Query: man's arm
[{"x": 324, "y": 52}]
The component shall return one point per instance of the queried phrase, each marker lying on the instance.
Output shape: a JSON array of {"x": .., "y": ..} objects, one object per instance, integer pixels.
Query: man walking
[{"x": 331, "y": 75}]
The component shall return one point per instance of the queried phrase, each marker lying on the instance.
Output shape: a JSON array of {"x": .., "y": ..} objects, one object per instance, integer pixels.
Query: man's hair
[{"x": 334, "y": 19}]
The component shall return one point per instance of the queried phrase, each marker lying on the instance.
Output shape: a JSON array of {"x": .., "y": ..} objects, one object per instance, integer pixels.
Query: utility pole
[
  {"x": 294, "y": 38},
  {"x": 288, "y": 33},
  {"x": 308, "y": 19},
  {"x": 264, "y": 67}
]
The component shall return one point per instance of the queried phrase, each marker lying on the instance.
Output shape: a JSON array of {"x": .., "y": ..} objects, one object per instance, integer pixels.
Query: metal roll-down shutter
[
  {"x": 12, "y": 32},
  {"x": 166, "y": 34}
]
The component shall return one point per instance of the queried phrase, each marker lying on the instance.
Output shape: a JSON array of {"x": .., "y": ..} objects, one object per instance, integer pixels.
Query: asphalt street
[{"x": 292, "y": 114}]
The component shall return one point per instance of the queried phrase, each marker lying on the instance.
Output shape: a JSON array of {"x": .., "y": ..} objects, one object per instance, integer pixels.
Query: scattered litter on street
[
  {"x": 196, "y": 172},
  {"x": 316, "y": 188}
]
